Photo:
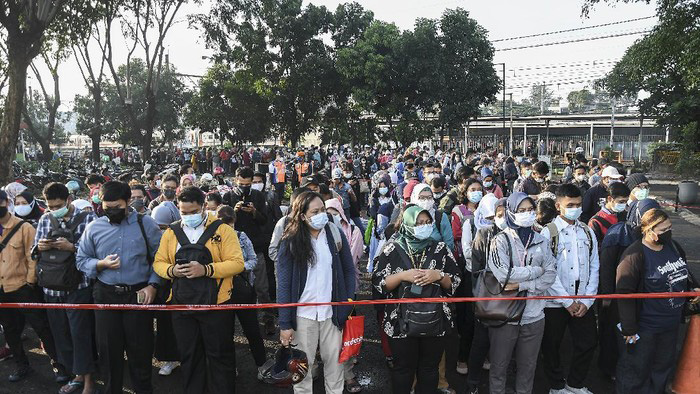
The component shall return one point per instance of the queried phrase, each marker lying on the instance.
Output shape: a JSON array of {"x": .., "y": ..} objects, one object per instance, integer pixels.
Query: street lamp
[{"x": 504, "y": 93}]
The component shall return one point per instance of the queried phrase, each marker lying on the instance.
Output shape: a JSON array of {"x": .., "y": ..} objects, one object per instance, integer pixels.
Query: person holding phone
[
  {"x": 415, "y": 265},
  {"x": 117, "y": 251},
  {"x": 649, "y": 327}
]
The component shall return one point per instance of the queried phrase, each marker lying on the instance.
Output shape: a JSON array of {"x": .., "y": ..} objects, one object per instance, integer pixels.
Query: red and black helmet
[{"x": 290, "y": 366}]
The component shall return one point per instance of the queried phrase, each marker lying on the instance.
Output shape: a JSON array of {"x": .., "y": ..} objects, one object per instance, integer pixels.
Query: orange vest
[
  {"x": 280, "y": 170},
  {"x": 301, "y": 170}
]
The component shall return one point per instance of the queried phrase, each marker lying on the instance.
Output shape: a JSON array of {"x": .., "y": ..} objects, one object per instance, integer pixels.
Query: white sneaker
[
  {"x": 462, "y": 368},
  {"x": 487, "y": 365},
  {"x": 168, "y": 368},
  {"x": 582, "y": 390},
  {"x": 560, "y": 391}
]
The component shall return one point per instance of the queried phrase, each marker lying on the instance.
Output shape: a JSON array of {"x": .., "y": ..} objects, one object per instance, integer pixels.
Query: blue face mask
[
  {"x": 383, "y": 191},
  {"x": 60, "y": 213},
  {"x": 423, "y": 231},
  {"x": 192, "y": 221},
  {"x": 475, "y": 196},
  {"x": 572, "y": 213},
  {"x": 318, "y": 221}
]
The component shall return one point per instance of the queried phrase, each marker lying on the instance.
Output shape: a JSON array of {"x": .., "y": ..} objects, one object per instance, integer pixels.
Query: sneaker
[
  {"x": 260, "y": 374},
  {"x": 5, "y": 353},
  {"x": 559, "y": 391},
  {"x": 582, "y": 390},
  {"x": 21, "y": 373},
  {"x": 462, "y": 368},
  {"x": 168, "y": 368},
  {"x": 487, "y": 365}
]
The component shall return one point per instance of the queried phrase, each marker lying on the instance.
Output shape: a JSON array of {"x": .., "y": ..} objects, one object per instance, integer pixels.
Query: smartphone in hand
[{"x": 140, "y": 297}]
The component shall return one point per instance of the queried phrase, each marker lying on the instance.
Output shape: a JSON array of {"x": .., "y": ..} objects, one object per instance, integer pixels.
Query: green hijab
[{"x": 406, "y": 238}]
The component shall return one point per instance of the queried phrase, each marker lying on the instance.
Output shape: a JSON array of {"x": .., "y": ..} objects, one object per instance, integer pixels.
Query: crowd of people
[{"x": 309, "y": 226}]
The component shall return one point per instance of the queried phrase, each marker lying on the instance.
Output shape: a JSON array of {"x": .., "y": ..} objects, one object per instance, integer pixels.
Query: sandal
[
  {"x": 72, "y": 387},
  {"x": 352, "y": 386}
]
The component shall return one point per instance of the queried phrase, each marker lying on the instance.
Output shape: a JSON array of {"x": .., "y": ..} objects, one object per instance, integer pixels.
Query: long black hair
[{"x": 297, "y": 232}]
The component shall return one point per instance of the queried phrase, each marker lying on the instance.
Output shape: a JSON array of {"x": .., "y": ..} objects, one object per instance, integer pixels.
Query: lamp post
[{"x": 504, "y": 92}]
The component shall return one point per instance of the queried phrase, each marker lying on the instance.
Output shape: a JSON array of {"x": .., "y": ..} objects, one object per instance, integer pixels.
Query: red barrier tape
[
  {"x": 665, "y": 204},
  {"x": 10, "y": 305}
]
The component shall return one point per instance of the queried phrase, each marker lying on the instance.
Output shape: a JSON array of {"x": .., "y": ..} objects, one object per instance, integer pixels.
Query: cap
[
  {"x": 634, "y": 180},
  {"x": 309, "y": 180},
  {"x": 611, "y": 172},
  {"x": 337, "y": 173},
  {"x": 81, "y": 204}
]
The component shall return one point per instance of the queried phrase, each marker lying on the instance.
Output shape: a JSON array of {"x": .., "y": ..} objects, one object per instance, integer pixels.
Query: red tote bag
[{"x": 353, "y": 333}]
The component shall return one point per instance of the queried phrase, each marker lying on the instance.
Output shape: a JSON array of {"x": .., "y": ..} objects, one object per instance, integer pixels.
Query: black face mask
[
  {"x": 169, "y": 193},
  {"x": 665, "y": 238},
  {"x": 245, "y": 190},
  {"x": 115, "y": 215},
  {"x": 3, "y": 212}
]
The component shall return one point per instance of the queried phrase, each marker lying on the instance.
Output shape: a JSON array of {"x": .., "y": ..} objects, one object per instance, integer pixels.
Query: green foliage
[
  {"x": 666, "y": 64},
  {"x": 232, "y": 104},
  {"x": 579, "y": 100},
  {"x": 662, "y": 146},
  {"x": 38, "y": 122}
]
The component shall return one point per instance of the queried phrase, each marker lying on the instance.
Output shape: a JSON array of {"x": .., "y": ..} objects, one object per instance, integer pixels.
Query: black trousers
[
  {"x": 478, "y": 353},
  {"x": 417, "y": 358},
  {"x": 205, "y": 341},
  {"x": 608, "y": 352},
  {"x": 119, "y": 331},
  {"x": 74, "y": 332},
  {"x": 583, "y": 331},
  {"x": 645, "y": 367},
  {"x": 271, "y": 279},
  {"x": 12, "y": 321},
  {"x": 166, "y": 344},
  {"x": 250, "y": 325},
  {"x": 465, "y": 318}
]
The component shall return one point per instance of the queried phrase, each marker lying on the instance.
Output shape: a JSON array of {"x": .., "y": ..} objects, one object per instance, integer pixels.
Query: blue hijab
[{"x": 512, "y": 204}]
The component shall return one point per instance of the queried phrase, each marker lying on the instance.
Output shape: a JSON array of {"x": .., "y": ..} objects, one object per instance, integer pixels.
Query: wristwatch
[{"x": 442, "y": 275}]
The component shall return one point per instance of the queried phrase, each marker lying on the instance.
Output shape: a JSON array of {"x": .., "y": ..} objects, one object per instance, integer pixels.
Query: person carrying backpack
[
  {"x": 57, "y": 238},
  {"x": 201, "y": 255}
]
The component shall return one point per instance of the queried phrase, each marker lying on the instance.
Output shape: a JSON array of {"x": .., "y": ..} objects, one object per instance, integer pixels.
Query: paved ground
[{"x": 371, "y": 370}]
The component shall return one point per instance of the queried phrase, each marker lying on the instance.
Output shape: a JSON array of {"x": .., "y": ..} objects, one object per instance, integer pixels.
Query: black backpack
[
  {"x": 56, "y": 269},
  {"x": 195, "y": 291}
]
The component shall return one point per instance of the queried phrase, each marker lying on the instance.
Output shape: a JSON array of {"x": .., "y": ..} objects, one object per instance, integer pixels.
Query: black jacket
[
  {"x": 591, "y": 201},
  {"x": 252, "y": 225}
]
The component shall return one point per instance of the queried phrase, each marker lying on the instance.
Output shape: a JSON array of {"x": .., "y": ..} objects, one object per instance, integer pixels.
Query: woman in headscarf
[
  {"x": 470, "y": 195},
  {"x": 490, "y": 185},
  {"x": 13, "y": 190},
  {"x": 422, "y": 195},
  {"x": 381, "y": 205},
  {"x": 416, "y": 265},
  {"x": 533, "y": 271},
  {"x": 27, "y": 208}
]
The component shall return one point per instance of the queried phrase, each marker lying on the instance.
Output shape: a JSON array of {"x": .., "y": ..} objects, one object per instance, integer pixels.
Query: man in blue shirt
[{"x": 117, "y": 250}]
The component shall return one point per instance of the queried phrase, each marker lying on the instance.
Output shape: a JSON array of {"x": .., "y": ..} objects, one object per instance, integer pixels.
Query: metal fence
[{"x": 628, "y": 145}]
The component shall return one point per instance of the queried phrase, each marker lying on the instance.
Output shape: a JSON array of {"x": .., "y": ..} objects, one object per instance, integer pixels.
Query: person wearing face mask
[
  {"x": 278, "y": 176},
  {"x": 489, "y": 183},
  {"x": 154, "y": 185},
  {"x": 251, "y": 218},
  {"x": 618, "y": 237},
  {"x": 204, "y": 339},
  {"x": 471, "y": 195},
  {"x": 18, "y": 284},
  {"x": 639, "y": 190},
  {"x": 422, "y": 196},
  {"x": 536, "y": 182},
  {"x": 480, "y": 250},
  {"x": 381, "y": 205},
  {"x": 315, "y": 265},
  {"x": 116, "y": 251},
  {"x": 415, "y": 265},
  {"x": 596, "y": 196},
  {"x": 138, "y": 199},
  {"x": 580, "y": 179},
  {"x": 27, "y": 208},
  {"x": 525, "y": 168},
  {"x": 613, "y": 211},
  {"x": 169, "y": 189},
  {"x": 72, "y": 330},
  {"x": 438, "y": 186},
  {"x": 272, "y": 214},
  {"x": 576, "y": 251},
  {"x": 654, "y": 264},
  {"x": 534, "y": 271}
]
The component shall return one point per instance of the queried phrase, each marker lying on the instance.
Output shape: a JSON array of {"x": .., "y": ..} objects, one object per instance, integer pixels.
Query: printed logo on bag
[
  {"x": 216, "y": 239},
  {"x": 353, "y": 341}
]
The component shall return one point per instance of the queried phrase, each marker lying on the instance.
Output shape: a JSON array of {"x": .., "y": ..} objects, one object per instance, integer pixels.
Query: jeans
[{"x": 645, "y": 367}]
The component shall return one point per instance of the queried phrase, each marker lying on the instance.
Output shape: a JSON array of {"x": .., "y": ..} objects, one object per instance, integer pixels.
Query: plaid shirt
[{"x": 44, "y": 229}]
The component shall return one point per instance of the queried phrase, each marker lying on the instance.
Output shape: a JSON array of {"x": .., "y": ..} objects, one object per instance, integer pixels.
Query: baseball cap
[
  {"x": 337, "y": 173},
  {"x": 309, "y": 180},
  {"x": 611, "y": 172}
]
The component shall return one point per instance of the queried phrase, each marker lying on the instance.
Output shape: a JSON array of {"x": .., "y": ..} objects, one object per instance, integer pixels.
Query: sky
[{"x": 562, "y": 67}]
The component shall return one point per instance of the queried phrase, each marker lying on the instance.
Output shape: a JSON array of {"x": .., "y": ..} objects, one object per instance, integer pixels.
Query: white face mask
[
  {"x": 423, "y": 231},
  {"x": 426, "y": 204},
  {"x": 581, "y": 178},
  {"x": 524, "y": 219},
  {"x": 23, "y": 210},
  {"x": 257, "y": 186},
  {"x": 501, "y": 222},
  {"x": 318, "y": 221}
]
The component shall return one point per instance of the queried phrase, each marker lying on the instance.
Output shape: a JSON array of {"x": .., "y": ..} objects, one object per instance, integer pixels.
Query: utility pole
[
  {"x": 542, "y": 99},
  {"x": 510, "y": 145},
  {"x": 612, "y": 121}
]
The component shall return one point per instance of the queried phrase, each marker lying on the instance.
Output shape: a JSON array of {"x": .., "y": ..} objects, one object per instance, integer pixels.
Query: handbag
[
  {"x": 353, "y": 334},
  {"x": 494, "y": 312}
]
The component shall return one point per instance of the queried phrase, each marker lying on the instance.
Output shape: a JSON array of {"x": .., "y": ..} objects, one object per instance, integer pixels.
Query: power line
[
  {"x": 575, "y": 29},
  {"x": 575, "y": 82},
  {"x": 561, "y": 71},
  {"x": 563, "y": 65},
  {"x": 572, "y": 41}
]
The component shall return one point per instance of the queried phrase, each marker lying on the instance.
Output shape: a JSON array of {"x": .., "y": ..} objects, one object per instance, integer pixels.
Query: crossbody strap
[
  {"x": 12, "y": 232},
  {"x": 149, "y": 257}
]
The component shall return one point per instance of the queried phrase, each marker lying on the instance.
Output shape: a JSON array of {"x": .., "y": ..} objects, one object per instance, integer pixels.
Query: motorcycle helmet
[
  {"x": 290, "y": 366},
  {"x": 218, "y": 171}
]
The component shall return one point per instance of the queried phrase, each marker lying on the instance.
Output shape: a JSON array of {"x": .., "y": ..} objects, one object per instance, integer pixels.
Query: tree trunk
[
  {"x": 46, "y": 153},
  {"x": 18, "y": 61},
  {"x": 96, "y": 133},
  {"x": 150, "y": 124},
  {"x": 95, "y": 147}
]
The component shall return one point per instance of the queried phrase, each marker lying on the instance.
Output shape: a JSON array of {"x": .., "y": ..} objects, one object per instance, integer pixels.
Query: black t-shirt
[{"x": 664, "y": 271}]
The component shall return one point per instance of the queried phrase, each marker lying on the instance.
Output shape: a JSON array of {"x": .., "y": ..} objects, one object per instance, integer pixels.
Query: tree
[
  {"x": 44, "y": 122},
  {"x": 232, "y": 104},
  {"x": 666, "y": 64},
  {"x": 28, "y": 24},
  {"x": 579, "y": 100}
]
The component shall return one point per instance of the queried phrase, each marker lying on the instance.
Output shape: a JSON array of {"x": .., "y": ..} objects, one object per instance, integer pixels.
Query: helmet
[
  {"x": 290, "y": 366},
  {"x": 73, "y": 186},
  {"x": 579, "y": 150},
  {"x": 206, "y": 177},
  {"x": 218, "y": 171}
]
